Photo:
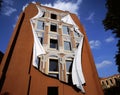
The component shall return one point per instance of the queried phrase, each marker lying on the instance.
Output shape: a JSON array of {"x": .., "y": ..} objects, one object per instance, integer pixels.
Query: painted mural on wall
[{"x": 56, "y": 57}]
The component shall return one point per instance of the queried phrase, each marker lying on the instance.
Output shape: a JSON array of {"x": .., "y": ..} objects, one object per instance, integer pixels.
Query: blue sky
[{"x": 90, "y": 12}]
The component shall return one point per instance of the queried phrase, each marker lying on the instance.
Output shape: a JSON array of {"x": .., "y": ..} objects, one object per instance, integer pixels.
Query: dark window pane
[
  {"x": 53, "y": 16},
  {"x": 53, "y": 43},
  {"x": 69, "y": 78},
  {"x": 53, "y": 27},
  {"x": 67, "y": 45},
  {"x": 52, "y": 91},
  {"x": 40, "y": 25},
  {"x": 68, "y": 65},
  {"x": 65, "y": 30},
  {"x": 39, "y": 63},
  {"x": 53, "y": 65}
]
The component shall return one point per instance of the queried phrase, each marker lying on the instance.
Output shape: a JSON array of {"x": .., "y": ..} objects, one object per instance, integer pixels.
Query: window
[
  {"x": 53, "y": 16},
  {"x": 103, "y": 83},
  {"x": 111, "y": 81},
  {"x": 69, "y": 70},
  {"x": 52, "y": 91},
  {"x": 76, "y": 34},
  {"x": 43, "y": 14},
  {"x": 67, "y": 45},
  {"x": 53, "y": 43},
  {"x": 40, "y": 25},
  {"x": 68, "y": 65},
  {"x": 53, "y": 65},
  {"x": 39, "y": 59},
  {"x": 107, "y": 82},
  {"x": 69, "y": 78},
  {"x": 41, "y": 40},
  {"x": 77, "y": 44},
  {"x": 65, "y": 30},
  {"x": 53, "y": 27}
]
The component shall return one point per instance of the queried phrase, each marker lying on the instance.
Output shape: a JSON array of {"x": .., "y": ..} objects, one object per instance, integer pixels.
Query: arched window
[
  {"x": 111, "y": 81},
  {"x": 106, "y": 82}
]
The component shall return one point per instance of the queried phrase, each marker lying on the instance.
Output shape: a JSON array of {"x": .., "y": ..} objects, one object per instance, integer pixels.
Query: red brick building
[{"x": 64, "y": 65}]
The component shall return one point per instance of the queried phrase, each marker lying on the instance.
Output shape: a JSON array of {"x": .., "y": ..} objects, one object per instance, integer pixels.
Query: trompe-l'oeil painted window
[
  {"x": 69, "y": 66},
  {"x": 53, "y": 68},
  {"x": 76, "y": 34},
  {"x": 53, "y": 65},
  {"x": 67, "y": 45},
  {"x": 77, "y": 44},
  {"x": 41, "y": 40},
  {"x": 69, "y": 70},
  {"x": 53, "y": 27},
  {"x": 65, "y": 30},
  {"x": 54, "y": 43},
  {"x": 40, "y": 25},
  {"x": 53, "y": 16}
]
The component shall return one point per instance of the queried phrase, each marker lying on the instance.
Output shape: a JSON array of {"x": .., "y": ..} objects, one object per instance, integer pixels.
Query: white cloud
[
  {"x": 94, "y": 44},
  {"x": 65, "y": 5},
  {"x": 103, "y": 64},
  {"x": 109, "y": 39},
  {"x": 91, "y": 17},
  {"x": 8, "y": 2},
  {"x": 16, "y": 19},
  {"x": 8, "y": 10}
]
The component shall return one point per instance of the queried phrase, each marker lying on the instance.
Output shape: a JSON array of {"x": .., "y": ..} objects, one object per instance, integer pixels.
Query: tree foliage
[
  {"x": 112, "y": 22},
  {"x": 0, "y": 4}
]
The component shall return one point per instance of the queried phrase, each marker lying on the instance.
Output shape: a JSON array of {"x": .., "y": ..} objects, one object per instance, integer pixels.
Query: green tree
[{"x": 112, "y": 22}]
